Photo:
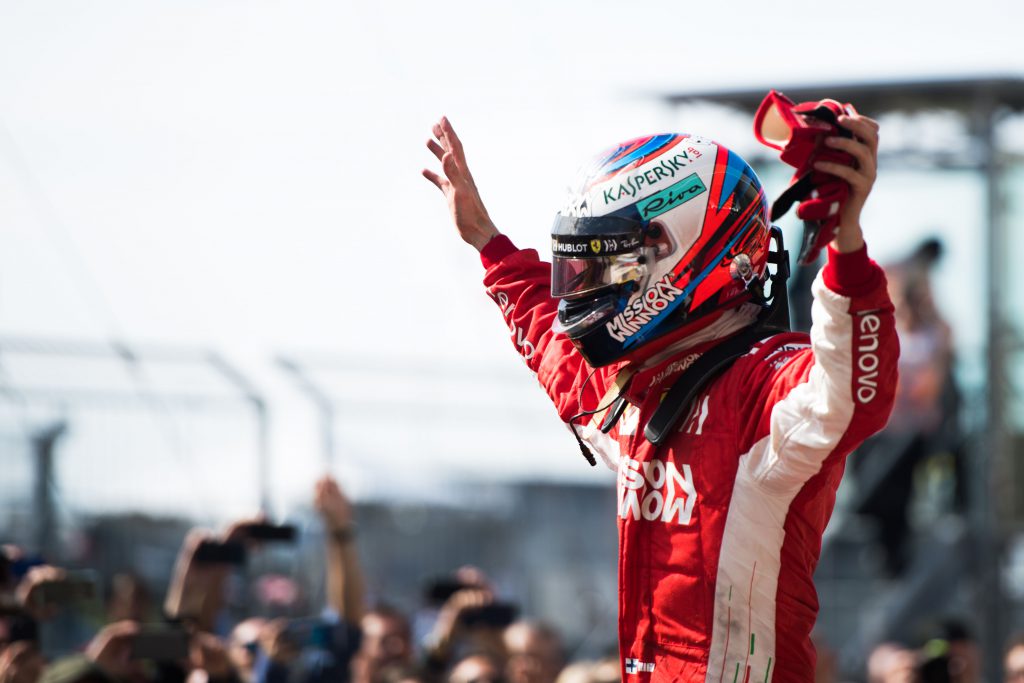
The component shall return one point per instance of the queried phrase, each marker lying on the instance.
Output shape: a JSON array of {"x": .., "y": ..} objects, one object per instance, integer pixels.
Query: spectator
[
  {"x": 963, "y": 652},
  {"x": 470, "y": 620},
  {"x": 110, "y": 651},
  {"x": 892, "y": 663},
  {"x": 403, "y": 674},
  {"x": 32, "y": 590},
  {"x": 476, "y": 668},
  {"x": 196, "y": 592},
  {"x": 77, "y": 669},
  {"x": 535, "y": 653},
  {"x": 7, "y": 581},
  {"x": 926, "y": 349},
  {"x": 386, "y": 642},
  {"x": 322, "y": 650},
  {"x": 20, "y": 662},
  {"x": 923, "y": 421},
  {"x": 600, "y": 671},
  {"x": 345, "y": 591},
  {"x": 477, "y": 632},
  {"x": 128, "y": 599},
  {"x": 209, "y": 661},
  {"x": 826, "y": 668},
  {"x": 577, "y": 672},
  {"x": 243, "y": 645},
  {"x": 1013, "y": 660}
]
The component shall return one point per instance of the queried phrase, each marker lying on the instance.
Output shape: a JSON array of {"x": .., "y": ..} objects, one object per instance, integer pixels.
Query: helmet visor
[{"x": 590, "y": 254}]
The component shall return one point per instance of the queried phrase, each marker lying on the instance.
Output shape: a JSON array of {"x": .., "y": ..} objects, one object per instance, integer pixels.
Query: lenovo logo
[{"x": 866, "y": 386}]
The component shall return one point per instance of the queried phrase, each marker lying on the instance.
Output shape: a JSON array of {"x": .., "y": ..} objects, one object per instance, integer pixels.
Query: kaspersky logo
[{"x": 646, "y": 178}]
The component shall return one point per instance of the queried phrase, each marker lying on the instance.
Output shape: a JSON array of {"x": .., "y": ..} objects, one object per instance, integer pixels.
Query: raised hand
[
  {"x": 21, "y": 662},
  {"x": 331, "y": 503},
  {"x": 196, "y": 589},
  {"x": 209, "y": 653},
  {"x": 863, "y": 147},
  {"x": 111, "y": 648},
  {"x": 456, "y": 182},
  {"x": 449, "y": 618},
  {"x": 32, "y": 587},
  {"x": 276, "y": 644},
  {"x": 345, "y": 590}
]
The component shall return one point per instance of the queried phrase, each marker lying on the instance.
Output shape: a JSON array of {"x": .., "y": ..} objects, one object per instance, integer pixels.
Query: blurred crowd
[{"x": 469, "y": 635}]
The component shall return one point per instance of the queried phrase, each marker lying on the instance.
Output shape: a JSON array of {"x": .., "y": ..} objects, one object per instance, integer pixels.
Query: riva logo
[
  {"x": 656, "y": 491},
  {"x": 867, "y": 357}
]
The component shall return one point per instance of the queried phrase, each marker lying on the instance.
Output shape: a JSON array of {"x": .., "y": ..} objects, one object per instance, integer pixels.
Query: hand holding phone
[
  {"x": 494, "y": 615},
  {"x": 160, "y": 643},
  {"x": 46, "y": 589},
  {"x": 220, "y": 552},
  {"x": 111, "y": 648},
  {"x": 266, "y": 532},
  {"x": 210, "y": 654}
]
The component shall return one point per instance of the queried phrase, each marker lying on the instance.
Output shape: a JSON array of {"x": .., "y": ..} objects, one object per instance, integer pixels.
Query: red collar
[{"x": 660, "y": 376}]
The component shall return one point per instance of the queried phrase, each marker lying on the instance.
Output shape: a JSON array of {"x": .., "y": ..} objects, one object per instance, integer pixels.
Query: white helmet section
[{"x": 693, "y": 155}]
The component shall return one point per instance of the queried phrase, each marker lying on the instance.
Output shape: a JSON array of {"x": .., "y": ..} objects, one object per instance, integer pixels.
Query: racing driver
[{"x": 653, "y": 332}]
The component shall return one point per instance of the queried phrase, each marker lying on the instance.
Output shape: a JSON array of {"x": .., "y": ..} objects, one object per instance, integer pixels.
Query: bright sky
[{"x": 245, "y": 175}]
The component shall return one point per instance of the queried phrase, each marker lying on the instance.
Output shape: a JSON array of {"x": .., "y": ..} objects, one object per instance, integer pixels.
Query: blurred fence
[
  {"x": 93, "y": 427},
  {"x": 402, "y": 427}
]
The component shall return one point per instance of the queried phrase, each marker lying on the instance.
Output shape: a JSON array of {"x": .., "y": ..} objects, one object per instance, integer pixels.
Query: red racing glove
[{"x": 799, "y": 132}]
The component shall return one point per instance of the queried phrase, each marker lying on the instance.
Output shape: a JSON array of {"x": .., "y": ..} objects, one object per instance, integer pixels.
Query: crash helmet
[{"x": 660, "y": 235}]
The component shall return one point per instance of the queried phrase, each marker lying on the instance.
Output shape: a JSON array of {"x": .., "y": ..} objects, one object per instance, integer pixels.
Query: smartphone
[
  {"x": 216, "y": 552},
  {"x": 10, "y": 607},
  {"x": 267, "y": 532},
  {"x": 75, "y": 587},
  {"x": 5, "y": 570},
  {"x": 934, "y": 670},
  {"x": 160, "y": 643},
  {"x": 497, "y": 614},
  {"x": 308, "y": 632},
  {"x": 20, "y": 627},
  {"x": 439, "y": 590}
]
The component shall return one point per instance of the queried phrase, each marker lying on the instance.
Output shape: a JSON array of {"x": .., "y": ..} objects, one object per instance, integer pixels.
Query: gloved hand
[{"x": 799, "y": 132}]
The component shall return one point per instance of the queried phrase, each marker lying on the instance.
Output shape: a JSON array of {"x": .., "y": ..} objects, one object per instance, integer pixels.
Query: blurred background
[{"x": 222, "y": 276}]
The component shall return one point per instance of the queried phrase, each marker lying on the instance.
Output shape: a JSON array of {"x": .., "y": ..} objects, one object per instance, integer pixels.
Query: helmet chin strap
[
  {"x": 776, "y": 315},
  {"x": 773, "y": 320}
]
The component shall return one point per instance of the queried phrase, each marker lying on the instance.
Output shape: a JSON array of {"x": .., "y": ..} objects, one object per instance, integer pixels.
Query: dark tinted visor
[{"x": 593, "y": 253}]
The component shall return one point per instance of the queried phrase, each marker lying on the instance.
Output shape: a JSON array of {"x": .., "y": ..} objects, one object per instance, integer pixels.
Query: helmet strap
[
  {"x": 773, "y": 320},
  {"x": 776, "y": 314}
]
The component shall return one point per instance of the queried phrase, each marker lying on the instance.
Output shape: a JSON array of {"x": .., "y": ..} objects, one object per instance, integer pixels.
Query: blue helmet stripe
[
  {"x": 735, "y": 169},
  {"x": 652, "y": 145}
]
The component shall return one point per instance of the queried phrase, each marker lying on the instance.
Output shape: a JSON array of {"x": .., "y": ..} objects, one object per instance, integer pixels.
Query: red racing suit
[{"x": 720, "y": 527}]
